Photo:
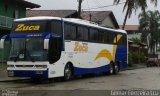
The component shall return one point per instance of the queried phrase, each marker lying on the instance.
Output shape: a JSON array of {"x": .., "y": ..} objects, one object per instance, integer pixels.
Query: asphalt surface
[
  {"x": 101, "y": 85},
  {"x": 145, "y": 78}
]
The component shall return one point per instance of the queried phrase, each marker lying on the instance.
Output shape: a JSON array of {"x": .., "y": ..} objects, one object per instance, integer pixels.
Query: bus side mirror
[
  {"x": 46, "y": 44},
  {"x": 2, "y": 41}
]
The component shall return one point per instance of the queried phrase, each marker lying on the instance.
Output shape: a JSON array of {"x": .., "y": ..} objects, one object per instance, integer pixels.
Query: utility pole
[{"x": 79, "y": 8}]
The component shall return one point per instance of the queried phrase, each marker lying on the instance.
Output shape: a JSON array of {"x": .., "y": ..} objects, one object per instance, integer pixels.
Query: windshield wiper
[
  {"x": 25, "y": 53},
  {"x": 20, "y": 52}
]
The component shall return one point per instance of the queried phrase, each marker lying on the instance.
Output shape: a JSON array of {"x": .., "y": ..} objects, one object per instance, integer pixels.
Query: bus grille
[{"x": 24, "y": 65}]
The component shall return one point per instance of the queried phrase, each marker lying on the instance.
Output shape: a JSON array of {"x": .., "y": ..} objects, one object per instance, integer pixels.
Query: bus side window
[
  {"x": 114, "y": 38},
  {"x": 110, "y": 38},
  {"x": 93, "y": 36},
  {"x": 106, "y": 37},
  {"x": 101, "y": 36},
  {"x": 69, "y": 31},
  {"x": 123, "y": 40},
  {"x": 82, "y": 33},
  {"x": 56, "y": 27}
]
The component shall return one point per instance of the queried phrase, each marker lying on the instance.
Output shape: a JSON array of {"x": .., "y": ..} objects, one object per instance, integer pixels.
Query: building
[
  {"x": 9, "y": 10},
  {"x": 103, "y": 18},
  {"x": 132, "y": 31}
]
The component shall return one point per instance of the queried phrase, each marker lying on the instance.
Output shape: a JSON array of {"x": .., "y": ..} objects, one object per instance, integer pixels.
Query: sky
[{"x": 89, "y": 4}]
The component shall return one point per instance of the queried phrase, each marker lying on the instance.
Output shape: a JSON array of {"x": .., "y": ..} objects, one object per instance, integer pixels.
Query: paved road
[{"x": 146, "y": 78}]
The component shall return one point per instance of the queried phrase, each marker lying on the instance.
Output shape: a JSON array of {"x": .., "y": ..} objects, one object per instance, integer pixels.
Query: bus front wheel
[{"x": 68, "y": 72}]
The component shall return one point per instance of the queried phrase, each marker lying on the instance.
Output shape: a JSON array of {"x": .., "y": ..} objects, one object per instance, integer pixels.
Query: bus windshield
[{"x": 27, "y": 49}]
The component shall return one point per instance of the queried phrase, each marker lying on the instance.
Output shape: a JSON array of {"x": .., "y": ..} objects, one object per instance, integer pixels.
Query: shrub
[
  {"x": 130, "y": 60},
  {"x": 142, "y": 57},
  {"x": 136, "y": 57}
]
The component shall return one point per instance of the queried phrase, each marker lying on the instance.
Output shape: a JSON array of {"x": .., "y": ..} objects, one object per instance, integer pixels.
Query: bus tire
[
  {"x": 68, "y": 72},
  {"x": 111, "y": 68},
  {"x": 116, "y": 69}
]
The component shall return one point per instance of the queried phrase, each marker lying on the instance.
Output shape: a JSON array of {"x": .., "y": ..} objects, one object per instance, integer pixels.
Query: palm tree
[
  {"x": 133, "y": 5},
  {"x": 150, "y": 24}
]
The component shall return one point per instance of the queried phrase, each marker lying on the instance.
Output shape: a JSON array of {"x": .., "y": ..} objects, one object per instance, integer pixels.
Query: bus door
[{"x": 55, "y": 48}]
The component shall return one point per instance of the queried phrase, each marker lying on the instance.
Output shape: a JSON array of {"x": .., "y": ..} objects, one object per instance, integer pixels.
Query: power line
[{"x": 105, "y": 6}]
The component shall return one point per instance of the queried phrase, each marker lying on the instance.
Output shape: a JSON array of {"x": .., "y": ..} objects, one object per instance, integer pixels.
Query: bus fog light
[
  {"x": 39, "y": 72},
  {"x": 10, "y": 73}
]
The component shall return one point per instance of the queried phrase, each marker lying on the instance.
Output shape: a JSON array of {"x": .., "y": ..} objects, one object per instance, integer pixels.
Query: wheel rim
[
  {"x": 68, "y": 72},
  {"x": 111, "y": 69},
  {"x": 116, "y": 68}
]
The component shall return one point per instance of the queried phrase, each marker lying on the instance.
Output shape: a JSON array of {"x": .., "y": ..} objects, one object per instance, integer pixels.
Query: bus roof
[
  {"x": 91, "y": 24},
  {"x": 38, "y": 18},
  {"x": 72, "y": 20}
]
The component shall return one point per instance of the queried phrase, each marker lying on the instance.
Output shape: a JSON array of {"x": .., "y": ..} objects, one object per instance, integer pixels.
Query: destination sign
[
  {"x": 29, "y": 26},
  {"x": 23, "y": 27}
]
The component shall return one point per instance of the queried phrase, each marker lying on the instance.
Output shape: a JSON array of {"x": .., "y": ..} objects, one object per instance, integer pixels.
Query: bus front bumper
[{"x": 28, "y": 73}]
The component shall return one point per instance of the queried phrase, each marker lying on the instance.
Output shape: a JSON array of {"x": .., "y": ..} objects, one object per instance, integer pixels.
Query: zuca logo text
[
  {"x": 80, "y": 47},
  {"x": 23, "y": 27}
]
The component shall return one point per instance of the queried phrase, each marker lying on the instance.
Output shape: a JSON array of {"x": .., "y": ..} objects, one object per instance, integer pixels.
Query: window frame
[
  {"x": 67, "y": 23},
  {"x": 85, "y": 31},
  {"x": 61, "y": 27},
  {"x": 90, "y": 33},
  {"x": 109, "y": 33}
]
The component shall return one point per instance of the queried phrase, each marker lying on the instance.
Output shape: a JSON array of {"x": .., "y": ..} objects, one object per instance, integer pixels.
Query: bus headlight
[{"x": 10, "y": 73}]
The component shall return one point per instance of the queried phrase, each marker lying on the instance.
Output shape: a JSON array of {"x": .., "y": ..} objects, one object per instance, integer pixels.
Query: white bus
[{"x": 49, "y": 47}]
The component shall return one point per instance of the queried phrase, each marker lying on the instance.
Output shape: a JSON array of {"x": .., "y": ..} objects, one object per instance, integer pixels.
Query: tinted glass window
[
  {"x": 101, "y": 36},
  {"x": 82, "y": 33},
  {"x": 70, "y": 31},
  {"x": 93, "y": 36},
  {"x": 56, "y": 27},
  {"x": 106, "y": 37},
  {"x": 125, "y": 39},
  {"x": 122, "y": 40},
  {"x": 110, "y": 38},
  {"x": 114, "y": 38}
]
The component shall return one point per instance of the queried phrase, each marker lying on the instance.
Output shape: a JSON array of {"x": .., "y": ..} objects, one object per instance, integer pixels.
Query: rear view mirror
[
  {"x": 46, "y": 43},
  {"x": 2, "y": 41}
]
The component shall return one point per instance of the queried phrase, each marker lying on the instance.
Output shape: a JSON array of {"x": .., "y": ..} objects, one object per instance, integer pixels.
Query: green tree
[
  {"x": 133, "y": 5},
  {"x": 149, "y": 25}
]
